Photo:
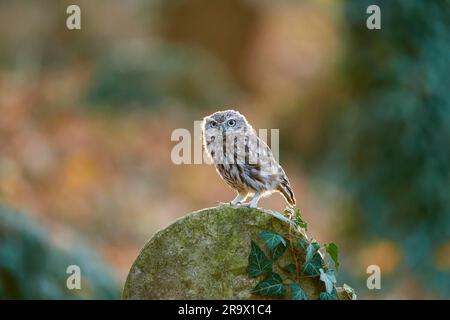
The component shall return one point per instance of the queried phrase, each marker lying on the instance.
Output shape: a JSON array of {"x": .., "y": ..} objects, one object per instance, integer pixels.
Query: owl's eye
[
  {"x": 213, "y": 124},
  {"x": 231, "y": 123}
]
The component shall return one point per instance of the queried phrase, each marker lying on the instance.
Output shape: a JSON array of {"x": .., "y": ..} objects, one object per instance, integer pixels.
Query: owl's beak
[{"x": 222, "y": 128}]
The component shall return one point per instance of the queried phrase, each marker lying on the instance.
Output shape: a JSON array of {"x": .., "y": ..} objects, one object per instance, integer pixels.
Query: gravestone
[{"x": 204, "y": 255}]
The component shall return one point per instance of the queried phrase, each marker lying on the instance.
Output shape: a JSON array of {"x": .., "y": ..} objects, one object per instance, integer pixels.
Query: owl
[{"x": 242, "y": 159}]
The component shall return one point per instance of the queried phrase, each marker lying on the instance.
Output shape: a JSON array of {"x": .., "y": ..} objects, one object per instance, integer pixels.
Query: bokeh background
[{"x": 86, "y": 118}]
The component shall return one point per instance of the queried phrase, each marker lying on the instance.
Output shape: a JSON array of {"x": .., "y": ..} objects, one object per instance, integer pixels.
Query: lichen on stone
[{"x": 204, "y": 255}]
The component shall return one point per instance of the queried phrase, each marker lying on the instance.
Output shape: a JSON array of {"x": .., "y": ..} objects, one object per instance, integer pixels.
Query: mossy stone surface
[{"x": 204, "y": 255}]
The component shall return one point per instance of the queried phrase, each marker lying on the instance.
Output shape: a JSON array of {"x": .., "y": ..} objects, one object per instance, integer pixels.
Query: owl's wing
[
  {"x": 268, "y": 163},
  {"x": 275, "y": 173}
]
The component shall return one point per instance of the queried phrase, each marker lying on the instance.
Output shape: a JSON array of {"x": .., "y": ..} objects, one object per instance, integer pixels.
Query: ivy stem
[
  {"x": 291, "y": 247},
  {"x": 288, "y": 274}
]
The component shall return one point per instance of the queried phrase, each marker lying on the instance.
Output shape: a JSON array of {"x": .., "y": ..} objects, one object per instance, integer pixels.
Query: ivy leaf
[
  {"x": 328, "y": 296},
  {"x": 312, "y": 267},
  {"x": 328, "y": 278},
  {"x": 311, "y": 250},
  {"x": 303, "y": 243},
  {"x": 258, "y": 263},
  {"x": 333, "y": 250},
  {"x": 278, "y": 251},
  {"x": 272, "y": 239},
  {"x": 274, "y": 242},
  {"x": 299, "y": 219},
  {"x": 297, "y": 293},
  {"x": 290, "y": 268},
  {"x": 271, "y": 286}
]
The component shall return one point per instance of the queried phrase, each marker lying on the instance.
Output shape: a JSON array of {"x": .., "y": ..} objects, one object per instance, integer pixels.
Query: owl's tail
[{"x": 286, "y": 191}]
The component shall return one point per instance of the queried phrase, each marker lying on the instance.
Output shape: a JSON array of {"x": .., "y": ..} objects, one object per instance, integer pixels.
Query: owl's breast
[
  {"x": 213, "y": 145},
  {"x": 232, "y": 174}
]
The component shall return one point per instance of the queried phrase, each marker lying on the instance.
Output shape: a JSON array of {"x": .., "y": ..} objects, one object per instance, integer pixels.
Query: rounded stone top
[{"x": 204, "y": 255}]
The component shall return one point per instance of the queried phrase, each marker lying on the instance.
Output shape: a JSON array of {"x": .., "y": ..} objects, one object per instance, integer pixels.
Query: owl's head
[{"x": 225, "y": 122}]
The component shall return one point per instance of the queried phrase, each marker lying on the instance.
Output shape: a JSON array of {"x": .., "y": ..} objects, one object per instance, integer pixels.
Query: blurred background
[{"x": 86, "y": 118}]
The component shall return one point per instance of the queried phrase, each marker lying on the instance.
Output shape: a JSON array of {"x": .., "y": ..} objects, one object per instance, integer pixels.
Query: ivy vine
[{"x": 261, "y": 265}]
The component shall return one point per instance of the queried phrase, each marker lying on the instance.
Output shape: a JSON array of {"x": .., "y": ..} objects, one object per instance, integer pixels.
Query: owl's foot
[
  {"x": 231, "y": 204},
  {"x": 254, "y": 201},
  {"x": 240, "y": 198},
  {"x": 222, "y": 204},
  {"x": 236, "y": 205}
]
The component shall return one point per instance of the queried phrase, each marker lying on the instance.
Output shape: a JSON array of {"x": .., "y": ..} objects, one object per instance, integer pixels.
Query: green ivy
[
  {"x": 333, "y": 250},
  {"x": 328, "y": 296},
  {"x": 258, "y": 263},
  {"x": 297, "y": 292},
  {"x": 273, "y": 284}
]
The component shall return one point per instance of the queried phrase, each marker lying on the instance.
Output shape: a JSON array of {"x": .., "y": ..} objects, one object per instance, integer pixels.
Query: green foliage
[
  {"x": 313, "y": 260},
  {"x": 258, "y": 263},
  {"x": 311, "y": 250},
  {"x": 391, "y": 140},
  {"x": 32, "y": 267},
  {"x": 302, "y": 243},
  {"x": 290, "y": 268},
  {"x": 271, "y": 286},
  {"x": 299, "y": 221},
  {"x": 274, "y": 242},
  {"x": 278, "y": 251},
  {"x": 333, "y": 250},
  {"x": 328, "y": 295},
  {"x": 271, "y": 239},
  {"x": 297, "y": 293},
  {"x": 328, "y": 278},
  {"x": 313, "y": 265}
]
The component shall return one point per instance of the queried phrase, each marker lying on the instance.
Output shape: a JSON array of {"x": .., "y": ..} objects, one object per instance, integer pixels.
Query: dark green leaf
[
  {"x": 258, "y": 263},
  {"x": 312, "y": 267},
  {"x": 333, "y": 250},
  {"x": 328, "y": 296},
  {"x": 299, "y": 220},
  {"x": 311, "y": 250},
  {"x": 328, "y": 278},
  {"x": 271, "y": 286},
  {"x": 272, "y": 239},
  {"x": 297, "y": 292},
  {"x": 274, "y": 242},
  {"x": 303, "y": 243},
  {"x": 290, "y": 268},
  {"x": 278, "y": 251}
]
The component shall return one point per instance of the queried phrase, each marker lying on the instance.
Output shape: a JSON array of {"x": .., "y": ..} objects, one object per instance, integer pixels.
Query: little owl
[{"x": 242, "y": 159}]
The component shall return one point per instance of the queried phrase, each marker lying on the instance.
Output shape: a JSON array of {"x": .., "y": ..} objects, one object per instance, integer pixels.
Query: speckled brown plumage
[{"x": 242, "y": 159}]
